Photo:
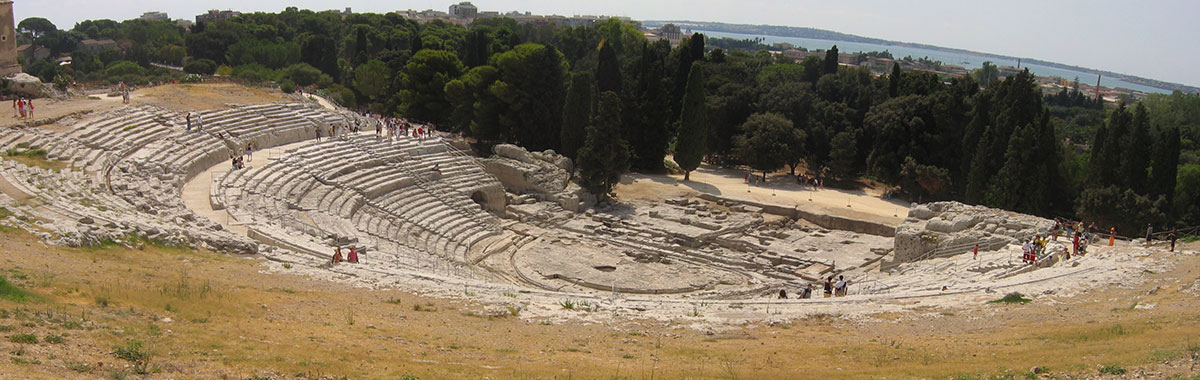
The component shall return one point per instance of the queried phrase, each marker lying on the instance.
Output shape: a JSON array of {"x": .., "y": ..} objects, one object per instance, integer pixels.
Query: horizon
[{"x": 1087, "y": 40}]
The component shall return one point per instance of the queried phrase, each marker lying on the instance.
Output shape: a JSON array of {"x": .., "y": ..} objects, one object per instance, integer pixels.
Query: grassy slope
[{"x": 229, "y": 319}]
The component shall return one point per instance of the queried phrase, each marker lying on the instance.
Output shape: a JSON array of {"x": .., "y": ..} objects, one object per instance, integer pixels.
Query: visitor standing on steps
[
  {"x": 807, "y": 292},
  {"x": 829, "y": 287},
  {"x": 976, "y": 252},
  {"x": 839, "y": 287},
  {"x": 337, "y": 255},
  {"x": 29, "y": 105},
  {"x": 352, "y": 257}
]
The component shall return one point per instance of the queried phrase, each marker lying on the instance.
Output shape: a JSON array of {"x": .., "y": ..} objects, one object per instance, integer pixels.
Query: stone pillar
[{"x": 8, "y": 40}]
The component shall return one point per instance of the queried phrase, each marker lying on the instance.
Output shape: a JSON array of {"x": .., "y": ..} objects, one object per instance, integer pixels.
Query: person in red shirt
[{"x": 352, "y": 257}]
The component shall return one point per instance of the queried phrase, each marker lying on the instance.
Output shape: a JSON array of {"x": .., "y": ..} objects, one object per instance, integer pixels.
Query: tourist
[
  {"x": 1149, "y": 234},
  {"x": 15, "y": 110},
  {"x": 189, "y": 122},
  {"x": 21, "y": 107},
  {"x": 1172, "y": 237},
  {"x": 829, "y": 287},
  {"x": 352, "y": 257},
  {"x": 29, "y": 105},
  {"x": 1066, "y": 253},
  {"x": 337, "y": 255},
  {"x": 839, "y": 287},
  {"x": 807, "y": 292},
  {"x": 1054, "y": 231},
  {"x": 250, "y": 151},
  {"x": 976, "y": 252},
  {"x": 199, "y": 122},
  {"x": 783, "y": 294}
]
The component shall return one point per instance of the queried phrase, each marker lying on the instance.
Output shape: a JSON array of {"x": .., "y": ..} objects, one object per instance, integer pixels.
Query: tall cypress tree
[
  {"x": 1134, "y": 160},
  {"x": 650, "y": 123},
  {"x": 608, "y": 70},
  {"x": 830, "y": 65},
  {"x": 577, "y": 114},
  {"x": 605, "y": 155},
  {"x": 1166, "y": 164},
  {"x": 894, "y": 81},
  {"x": 693, "y": 123}
]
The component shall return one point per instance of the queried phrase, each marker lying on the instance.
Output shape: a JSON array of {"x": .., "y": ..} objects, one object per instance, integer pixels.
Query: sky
[{"x": 1149, "y": 38}]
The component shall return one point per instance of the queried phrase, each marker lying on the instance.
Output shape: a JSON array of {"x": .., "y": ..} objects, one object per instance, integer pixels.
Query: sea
[{"x": 967, "y": 60}]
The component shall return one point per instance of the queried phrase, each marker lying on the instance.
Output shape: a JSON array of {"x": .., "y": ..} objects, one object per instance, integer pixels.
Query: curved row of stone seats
[{"x": 369, "y": 187}]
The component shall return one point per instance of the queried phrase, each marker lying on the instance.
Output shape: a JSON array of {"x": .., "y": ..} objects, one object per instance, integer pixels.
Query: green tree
[
  {"x": 605, "y": 155},
  {"x": 1134, "y": 163},
  {"x": 424, "y": 82},
  {"x": 843, "y": 154},
  {"x": 469, "y": 99},
  {"x": 830, "y": 65},
  {"x": 35, "y": 28},
  {"x": 372, "y": 78},
  {"x": 769, "y": 141},
  {"x": 577, "y": 113},
  {"x": 1187, "y": 205},
  {"x": 894, "y": 81},
  {"x": 1165, "y": 165},
  {"x": 532, "y": 88},
  {"x": 650, "y": 119},
  {"x": 608, "y": 70},
  {"x": 693, "y": 123},
  {"x": 988, "y": 74}
]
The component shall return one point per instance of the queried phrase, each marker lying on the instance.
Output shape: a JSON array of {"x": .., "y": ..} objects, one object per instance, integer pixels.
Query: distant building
[
  {"x": 214, "y": 15},
  {"x": 155, "y": 16},
  {"x": 8, "y": 40},
  {"x": 464, "y": 10},
  {"x": 185, "y": 24},
  {"x": 671, "y": 32}
]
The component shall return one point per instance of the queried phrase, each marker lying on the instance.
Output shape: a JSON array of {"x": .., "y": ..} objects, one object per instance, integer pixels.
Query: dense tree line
[{"x": 614, "y": 101}]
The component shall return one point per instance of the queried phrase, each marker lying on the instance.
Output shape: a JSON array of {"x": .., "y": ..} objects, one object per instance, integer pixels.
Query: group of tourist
[
  {"x": 833, "y": 288},
  {"x": 1032, "y": 249},
  {"x": 23, "y": 108},
  {"x": 351, "y": 256}
]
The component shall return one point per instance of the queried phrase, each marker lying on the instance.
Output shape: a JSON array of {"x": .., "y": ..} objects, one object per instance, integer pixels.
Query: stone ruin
[
  {"x": 427, "y": 209},
  {"x": 946, "y": 228}
]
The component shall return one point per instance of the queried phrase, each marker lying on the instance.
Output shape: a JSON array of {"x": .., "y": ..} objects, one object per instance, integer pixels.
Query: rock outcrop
[
  {"x": 947, "y": 228},
  {"x": 546, "y": 175}
]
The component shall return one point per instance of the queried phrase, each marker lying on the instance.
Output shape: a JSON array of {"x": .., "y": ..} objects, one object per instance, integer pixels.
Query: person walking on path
[
  {"x": 1172, "y": 237},
  {"x": 1149, "y": 234},
  {"x": 976, "y": 252}
]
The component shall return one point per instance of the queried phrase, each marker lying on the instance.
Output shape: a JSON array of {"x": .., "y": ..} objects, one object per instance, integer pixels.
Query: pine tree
[
  {"x": 605, "y": 155},
  {"x": 693, "y": 123},
  {"x": 577, "y": 114}
]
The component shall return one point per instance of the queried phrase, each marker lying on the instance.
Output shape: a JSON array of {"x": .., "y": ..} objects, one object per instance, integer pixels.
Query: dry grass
[{"x": 227, "y": 319}]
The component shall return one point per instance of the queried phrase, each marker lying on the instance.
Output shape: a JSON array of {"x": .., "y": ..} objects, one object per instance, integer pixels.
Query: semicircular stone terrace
[{"x": 422, "y": 207}]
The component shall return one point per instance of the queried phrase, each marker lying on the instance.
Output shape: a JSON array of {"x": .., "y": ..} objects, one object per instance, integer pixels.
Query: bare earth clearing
[{"x": 200, "y": 314}]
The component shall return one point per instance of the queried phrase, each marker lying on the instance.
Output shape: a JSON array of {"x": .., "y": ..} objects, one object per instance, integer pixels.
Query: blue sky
[{"x": 1154, "y": 39}]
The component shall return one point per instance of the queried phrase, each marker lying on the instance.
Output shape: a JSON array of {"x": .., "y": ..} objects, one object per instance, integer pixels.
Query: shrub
[
  {"x": 200, "y": 66},
  {"x": 224, "y": 70},
  {"x": 287, "y": 86},
  {"x": 304, "y": 75},
  {"x": 1112, "y": 370},
  {"x": 12, "y": 292},
  {"x": 132, "y": 351},
  {"x": 1013, "y": 297},
  {"x": 23, "y": 339},
  {"x": 54, "y": 339},
  {"x": 121, "y": 68}
]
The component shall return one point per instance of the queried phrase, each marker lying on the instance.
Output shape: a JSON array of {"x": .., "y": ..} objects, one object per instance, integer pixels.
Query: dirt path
[{"x": 782, "y": 190}]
